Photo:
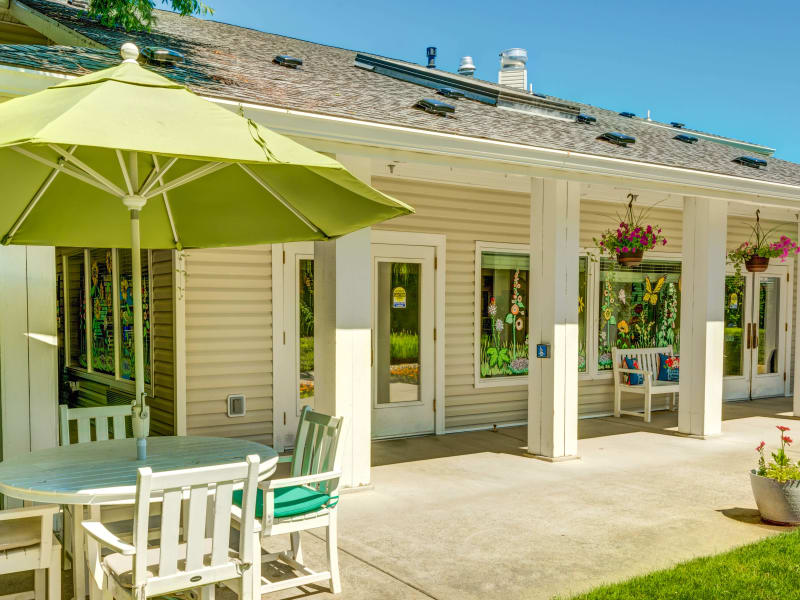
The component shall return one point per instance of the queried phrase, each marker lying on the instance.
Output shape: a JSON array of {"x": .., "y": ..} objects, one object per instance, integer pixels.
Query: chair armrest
[
  {"x": 274, "y": 484},
  {"x": 99, "y": 532},
  {"x": 640, "y": 371},
  {"x": 24, "y": 512}
]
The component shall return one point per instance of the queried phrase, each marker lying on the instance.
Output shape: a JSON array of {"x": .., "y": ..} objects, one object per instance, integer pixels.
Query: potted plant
[
  {"x": 776, "y": 484},
  {"x": 755, "y": 253},
  {"x": 629, "y": 241}
]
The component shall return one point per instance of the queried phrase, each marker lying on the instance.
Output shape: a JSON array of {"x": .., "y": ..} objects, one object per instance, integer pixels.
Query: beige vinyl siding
[
  {"x": 229, "y": 341},
  {"x": 465, "y": 215},
  {"x": 162, "y": 406}
]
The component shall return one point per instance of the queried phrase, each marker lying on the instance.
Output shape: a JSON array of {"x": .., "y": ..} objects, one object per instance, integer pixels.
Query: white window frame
[
  {"x": 88, "y": 372},
  {"x": 480, "y": 248}
]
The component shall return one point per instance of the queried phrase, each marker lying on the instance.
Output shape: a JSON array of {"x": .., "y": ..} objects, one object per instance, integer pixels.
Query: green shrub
[{"x": 404, "y": 347}]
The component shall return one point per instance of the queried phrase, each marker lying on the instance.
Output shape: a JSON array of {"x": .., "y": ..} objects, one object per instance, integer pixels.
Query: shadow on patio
[{"x": 513, "y": 440}]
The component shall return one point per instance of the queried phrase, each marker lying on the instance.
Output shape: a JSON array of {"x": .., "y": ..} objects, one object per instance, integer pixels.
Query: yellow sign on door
[{"x": 399, "y": 297}]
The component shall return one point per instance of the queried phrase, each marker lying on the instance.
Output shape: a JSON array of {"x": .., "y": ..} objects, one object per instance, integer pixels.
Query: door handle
[
  {"x": 755, "y": 335},
  {"x": 747, "y": 338}
]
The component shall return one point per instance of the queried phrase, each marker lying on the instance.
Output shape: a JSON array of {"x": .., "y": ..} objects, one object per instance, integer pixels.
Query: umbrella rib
[
  {"x": 66, "y": 170},
  {"x": 34, "y": 201},
  {"x": 88, "y": 170},
  {"x": 156, "y": 175},
  {"x": 279, "y": 198},
  {"x": 159, "y": 178},
  {"x": 206, "y": 169},
  {"x": 124, "y": 170}
]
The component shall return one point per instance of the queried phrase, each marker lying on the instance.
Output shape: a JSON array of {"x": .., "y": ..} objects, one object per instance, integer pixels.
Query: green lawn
[{"x": 767, "y": 570}]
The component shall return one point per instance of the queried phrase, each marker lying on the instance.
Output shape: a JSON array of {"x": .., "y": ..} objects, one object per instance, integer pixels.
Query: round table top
[{"x": 105, "y": 472}]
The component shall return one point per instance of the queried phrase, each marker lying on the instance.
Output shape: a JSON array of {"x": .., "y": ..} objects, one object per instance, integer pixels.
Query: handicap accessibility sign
[{"x": 399, "y": 297}]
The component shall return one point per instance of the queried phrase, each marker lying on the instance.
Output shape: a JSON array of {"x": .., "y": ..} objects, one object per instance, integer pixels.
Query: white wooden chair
[
  {"x": 200, "y": 557},
  {"x": 648, "y": 361},
  {"x": 27, "y": 543},
  {"x": 107, "y": 422},
  {"x": 305, "y": 500}
]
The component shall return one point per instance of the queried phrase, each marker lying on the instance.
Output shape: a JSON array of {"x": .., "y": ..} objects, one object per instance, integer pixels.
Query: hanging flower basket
[
  {"x": 630, "y": 259},
  {"x": 755, "y": 253},
  {"x": 628, "y": 242},
  {"x": 757, "y": 264}
]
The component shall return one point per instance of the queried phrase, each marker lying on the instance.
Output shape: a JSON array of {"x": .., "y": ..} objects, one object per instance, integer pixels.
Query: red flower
[
  {"x": 787, "y": 439},
  {"x": 760, "y": 447},
  {"x": 782, "y": 427}
]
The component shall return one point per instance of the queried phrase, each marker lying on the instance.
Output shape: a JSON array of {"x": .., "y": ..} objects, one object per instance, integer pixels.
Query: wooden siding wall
[
  {"x": 162, "y": 407},
  {"x": 229, "y": 341},
  {"x": 468, "y": 214}
]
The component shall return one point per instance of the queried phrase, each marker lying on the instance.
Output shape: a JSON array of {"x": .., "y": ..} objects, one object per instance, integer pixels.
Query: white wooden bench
[{"x": 648, "y": 361}]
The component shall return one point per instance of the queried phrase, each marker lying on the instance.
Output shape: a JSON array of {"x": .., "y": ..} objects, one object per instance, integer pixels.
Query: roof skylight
[
  {"x": 450, "y": 92},
  {"x": 436, "y": 107},
  {"x": 288, "y": 61},
  {"x": 689, "y": 139},
  {"x": 620, "y": 139},
  {"x": 588, "y": 119},
  {"x": 751, "y": 161},
  {"x": 677, "y": 125},
  {"x": 629, "y": 115}
]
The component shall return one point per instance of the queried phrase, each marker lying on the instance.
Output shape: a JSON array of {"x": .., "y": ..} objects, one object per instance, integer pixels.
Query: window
[
  {"x": 305, "y": 329},
  {"x": 100, "y": 274},
  {"x": 583, "y": 268},
  {"x": 503, "y": 313},
  {"x": 638, "y": 307}
]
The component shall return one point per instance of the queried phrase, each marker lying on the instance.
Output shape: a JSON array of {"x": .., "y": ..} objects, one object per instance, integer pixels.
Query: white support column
[
  {"x": 343, "y": 338},
  {"x": 796, "y": 381},
  {"x": 702, "y": 316},
  {"x": 553, "y": 310}
]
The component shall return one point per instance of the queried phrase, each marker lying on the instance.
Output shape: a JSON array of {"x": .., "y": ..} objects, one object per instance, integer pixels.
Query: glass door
[
  {"x": 756, "y": 324},
  {"x": 402, "y": 340}
]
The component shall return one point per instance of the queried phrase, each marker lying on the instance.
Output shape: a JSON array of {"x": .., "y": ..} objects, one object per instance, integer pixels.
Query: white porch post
[
  {"x": 553, "y": 381},
  {"x": 702, "y": 316},
  {"x": 796, "y": 382},
  {"x": 342, "y": 340}
]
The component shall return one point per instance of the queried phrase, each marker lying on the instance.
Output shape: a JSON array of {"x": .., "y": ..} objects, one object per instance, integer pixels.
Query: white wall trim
[
  {"x": 179, "y": 304},
  {"x": 280, "y": 362}
]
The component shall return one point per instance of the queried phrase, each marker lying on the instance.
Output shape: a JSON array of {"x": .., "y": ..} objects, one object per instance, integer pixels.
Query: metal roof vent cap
[
  {"x": 430, "y": 51},
  {"x": 158, "y": 55},
  {"x": 288, "y": 61},
  {"x": 467, "y": 66},
  {"x": 513, "y": 59}
]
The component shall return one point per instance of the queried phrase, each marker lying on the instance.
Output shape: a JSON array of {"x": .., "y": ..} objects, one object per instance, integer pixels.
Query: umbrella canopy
[
  {"x": 210, "y": 177},
  {"x": 126, "y": 158}
]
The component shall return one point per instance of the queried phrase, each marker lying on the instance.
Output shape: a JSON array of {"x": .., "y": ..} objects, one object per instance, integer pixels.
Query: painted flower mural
[{"x": 504, "y": 341}]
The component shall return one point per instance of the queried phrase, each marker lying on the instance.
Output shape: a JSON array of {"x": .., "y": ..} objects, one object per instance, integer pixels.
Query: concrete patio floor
[{"x": 468, "y": 516}]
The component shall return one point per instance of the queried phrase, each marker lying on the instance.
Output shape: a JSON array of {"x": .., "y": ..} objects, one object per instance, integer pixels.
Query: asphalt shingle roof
[{"x": 236, "y": 63}]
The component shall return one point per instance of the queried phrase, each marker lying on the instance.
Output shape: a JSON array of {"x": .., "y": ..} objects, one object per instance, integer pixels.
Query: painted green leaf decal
[{"x": 509, "y": 318}]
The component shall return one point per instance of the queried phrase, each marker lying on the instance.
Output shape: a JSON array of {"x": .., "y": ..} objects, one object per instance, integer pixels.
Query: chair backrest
[
  {"x": 207, "y": 536},
  {"x": 647, "y": 358},
  {"x": 97, "y": 416},
  {"x": 316, "y": 446}
]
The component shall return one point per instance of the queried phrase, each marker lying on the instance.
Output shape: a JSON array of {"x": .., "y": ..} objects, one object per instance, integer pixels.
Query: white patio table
[{"x": 104, "y": 473}]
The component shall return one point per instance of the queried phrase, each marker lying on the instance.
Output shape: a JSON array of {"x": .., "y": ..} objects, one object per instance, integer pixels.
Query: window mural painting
[
  {"x": 504, "y": 314},
  {"x": 126, "y": 359},
  {"x": 639, "y": 307},
  {"x": 102, "y": 311}
]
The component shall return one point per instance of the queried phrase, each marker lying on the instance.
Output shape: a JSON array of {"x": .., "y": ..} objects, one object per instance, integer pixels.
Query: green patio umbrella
[{"x": 126, "y": 158}]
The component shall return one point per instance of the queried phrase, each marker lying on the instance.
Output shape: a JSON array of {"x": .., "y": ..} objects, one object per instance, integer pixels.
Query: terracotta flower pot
[
  {"x": 630, "y": 259},
  {"x": 757, "y": 264},
  {"x": 778, "y": 503}
]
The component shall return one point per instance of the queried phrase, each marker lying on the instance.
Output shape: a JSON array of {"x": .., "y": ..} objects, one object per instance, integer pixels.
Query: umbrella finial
[{"x": 129, "y": 52}]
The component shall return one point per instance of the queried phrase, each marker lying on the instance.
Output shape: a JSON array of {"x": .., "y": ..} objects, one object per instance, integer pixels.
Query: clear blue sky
[{"x": 726, "y": 67}]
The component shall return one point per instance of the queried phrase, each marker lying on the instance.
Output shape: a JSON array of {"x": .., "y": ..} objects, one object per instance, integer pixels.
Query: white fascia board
[{"x": 492, "y": 154}]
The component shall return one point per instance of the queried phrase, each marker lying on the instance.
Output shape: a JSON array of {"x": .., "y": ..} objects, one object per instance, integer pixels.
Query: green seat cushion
[{"x": 290, "y": 501}]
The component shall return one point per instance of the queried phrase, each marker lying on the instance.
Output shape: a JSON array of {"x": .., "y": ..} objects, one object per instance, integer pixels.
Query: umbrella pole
[{"x": 141, "y": 415}]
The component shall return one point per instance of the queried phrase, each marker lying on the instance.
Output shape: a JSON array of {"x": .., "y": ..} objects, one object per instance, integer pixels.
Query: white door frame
[{"x": 283, "y": 393}]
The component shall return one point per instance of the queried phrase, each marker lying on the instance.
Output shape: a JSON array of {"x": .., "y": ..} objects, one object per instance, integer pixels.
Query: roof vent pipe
[
  {"x": 513, "y": 71},
  {"x": 431, "y": 52},
  {"x": 466, "y": 67}
]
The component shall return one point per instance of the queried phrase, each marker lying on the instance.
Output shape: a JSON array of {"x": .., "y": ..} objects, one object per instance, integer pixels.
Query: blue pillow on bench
[
  {"x": 665, "y": 372},
  {"x": 633, "y": 378}
]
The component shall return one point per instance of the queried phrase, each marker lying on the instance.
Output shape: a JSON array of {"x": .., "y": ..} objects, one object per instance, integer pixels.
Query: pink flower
[
  {"x": 782, "y": 428},
  {"x": 760, "y": 447},
  {"x": 787, "y": 439},
  {"x": 664, "y": 242}
]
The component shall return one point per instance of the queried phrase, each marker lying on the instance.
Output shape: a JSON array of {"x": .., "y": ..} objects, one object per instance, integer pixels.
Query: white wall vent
[{"x": 237, "y": 405}]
